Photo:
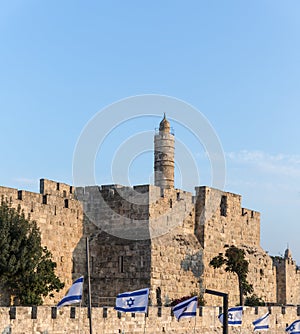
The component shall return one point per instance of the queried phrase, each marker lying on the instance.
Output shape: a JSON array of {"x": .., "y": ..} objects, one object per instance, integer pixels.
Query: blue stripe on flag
[
  {"x": 131, "y": 309},
  {"x": 238, "y": 308},
  {"x": 262, "y": 327},
  {"x": 184, "y": 304},
  {"x": 260, "y": 319},
  {"x": 79, "y": 280},
  {"x": 187, "y": 314},
  {"x": 68, "y": 299},
  {"x": 132, "y": 294},
  {"x": 236, "y": 322}
]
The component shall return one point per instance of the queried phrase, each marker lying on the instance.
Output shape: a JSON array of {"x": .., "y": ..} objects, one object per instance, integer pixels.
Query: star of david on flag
[
  {"x": 294, "y": 327},
  {"x": 135, "y": 301},
  {"x": 235, "y": 315},
  {"x": 186, "y": 309},
  {"x": 74, "y": 294},
  {"x": 262, "y": 323}
]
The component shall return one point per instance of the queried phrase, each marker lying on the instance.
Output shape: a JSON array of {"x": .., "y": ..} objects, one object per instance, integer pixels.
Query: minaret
[{"x": 164, "y": 156}]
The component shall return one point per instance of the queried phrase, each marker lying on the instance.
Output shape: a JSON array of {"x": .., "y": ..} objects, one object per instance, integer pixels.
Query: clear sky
[{"x": 238, "y": 62}]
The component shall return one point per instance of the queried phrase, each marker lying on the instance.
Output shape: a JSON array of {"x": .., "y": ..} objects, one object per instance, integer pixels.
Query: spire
[
  {"x": 164, "y": 125},
  {"x": 287, "y": 254}
]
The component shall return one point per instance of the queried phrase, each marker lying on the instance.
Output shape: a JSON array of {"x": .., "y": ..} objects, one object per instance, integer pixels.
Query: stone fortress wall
[
  {"x": 60, "y": 219},
  {"x": 222, "y": 221},
  {"x": 154, "y": 236},
  {"x": 173, "y": 263},
  {"x": 74, "y": 320}
]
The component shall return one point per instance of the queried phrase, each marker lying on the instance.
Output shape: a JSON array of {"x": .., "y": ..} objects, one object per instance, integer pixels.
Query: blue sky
[{"x": 237, "y": 62}]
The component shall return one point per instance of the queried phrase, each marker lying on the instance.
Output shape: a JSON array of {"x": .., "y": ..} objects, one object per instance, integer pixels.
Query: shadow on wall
[
  {"x": 7, "y": 330},
  {"x": 194, "y": 263}
]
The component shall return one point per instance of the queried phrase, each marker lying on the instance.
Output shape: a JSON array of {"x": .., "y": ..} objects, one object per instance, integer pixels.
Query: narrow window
[
  {"x": 171, "y": 203},
  {"x": 244, "y": 212},
  {"x": 64, "y": 193},
  {"x": 71, "y": 190},
  {"x": 20, "y": 195},
  {"x": 178, "y": 196},
  {"x": 252, "y": 214},
  {"x": 57, "y": 186},
  {"x": 66, "y": 203},
  {"x": 44, "y": 199},
  {"x": 54, "y": 210},
  {"x": 121, "y": 264},
  {"x": 223, "y": 206}
]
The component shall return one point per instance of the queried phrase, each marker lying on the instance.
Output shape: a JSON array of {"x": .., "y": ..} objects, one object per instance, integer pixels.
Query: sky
[{"x": 236, "y": 62}]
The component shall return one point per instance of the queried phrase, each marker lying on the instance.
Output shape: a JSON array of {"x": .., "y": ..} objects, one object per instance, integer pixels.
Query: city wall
[
  {"x": 60, "y": 219},
  {"x": 221, "y": 221},
  {"x": 74, "y": 320},
  {"x": 182, "y": 233}
]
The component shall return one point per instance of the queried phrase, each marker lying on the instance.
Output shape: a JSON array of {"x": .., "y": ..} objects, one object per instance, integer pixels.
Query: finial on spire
[{"x": 164, "y": 125}]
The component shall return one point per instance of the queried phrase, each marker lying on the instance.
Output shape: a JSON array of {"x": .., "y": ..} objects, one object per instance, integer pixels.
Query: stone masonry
[
  {"x": 60, "y": 219},
  {"x": 74, "y": 320},
  {"x": 153, "y": 236}
]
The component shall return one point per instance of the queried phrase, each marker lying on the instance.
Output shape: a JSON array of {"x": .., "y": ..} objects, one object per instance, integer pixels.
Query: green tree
[
  {"x": 254, "y": 300},
  {"x": 26, "y": 268},
  {"x": 235, "y": 262}
]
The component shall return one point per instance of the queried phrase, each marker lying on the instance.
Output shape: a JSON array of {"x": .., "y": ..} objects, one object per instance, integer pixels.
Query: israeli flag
[
  {"x": 135, "y": 301},
  {"x": 294, "y": 327},
  {"x": 186, "y": 309},
  {"x": 262, "y": 324},
  {"x": 74, "y": 294},
  {"x": 235, "y": 315}
]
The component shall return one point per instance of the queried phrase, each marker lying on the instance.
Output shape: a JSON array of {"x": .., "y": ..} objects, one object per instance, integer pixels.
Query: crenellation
[
  {"x": 49, "y": 187},
  {"x": 158, "y": 320},
  {"x": 154, "y": 236}
]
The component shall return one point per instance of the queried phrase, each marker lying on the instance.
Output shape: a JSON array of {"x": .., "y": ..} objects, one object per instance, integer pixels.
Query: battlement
[
  {"x": 149, "y": 235},
  {"x": 49, "y": 187},
  {"x": 58, "y": 214},
  {"x": 49, "y": 320}
]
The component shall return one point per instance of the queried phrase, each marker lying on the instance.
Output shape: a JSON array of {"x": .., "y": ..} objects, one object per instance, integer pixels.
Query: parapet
[
  {"x": 49, "y": 187},
  {"x": 46, "y": 319}
]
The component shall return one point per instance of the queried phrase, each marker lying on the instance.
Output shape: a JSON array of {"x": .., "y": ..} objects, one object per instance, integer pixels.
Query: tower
[{"x": 164, "y": 155}]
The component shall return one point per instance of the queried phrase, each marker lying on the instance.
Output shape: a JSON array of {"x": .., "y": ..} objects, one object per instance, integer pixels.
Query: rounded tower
[{"x": 164, "y": 155}]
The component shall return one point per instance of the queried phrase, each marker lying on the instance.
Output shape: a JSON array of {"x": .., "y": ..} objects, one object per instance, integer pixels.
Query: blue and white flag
[
  {"x": 235, "y": 315},
  {"x": 74, "y": 294},
  {"x": 135, "y": 301},
  {"x": 294, "y": 327},
  {"x": 262, "y": 324},
  {"x": 186, "y": 309}
]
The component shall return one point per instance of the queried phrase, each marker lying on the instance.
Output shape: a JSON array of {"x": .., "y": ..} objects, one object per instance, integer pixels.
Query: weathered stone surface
[
  {"x": 206, "y": 321},
  {"x": 154, "y": 236}
]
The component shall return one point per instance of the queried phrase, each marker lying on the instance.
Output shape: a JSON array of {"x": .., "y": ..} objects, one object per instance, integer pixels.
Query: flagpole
[
  {"x": 89, "y": 284},
  {"x": 195, "y": 323},
  {"x": 79, "y": 318},
  {"x": 145, "y": 324}
]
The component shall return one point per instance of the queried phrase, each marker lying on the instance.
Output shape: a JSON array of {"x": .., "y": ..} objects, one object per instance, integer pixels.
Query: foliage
[
  {"x": 254, "y": 300},
  {"x": 26, "y": 268},
  {"x": 201, "y": 301},
  {"x": 235, "y": 262}
]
